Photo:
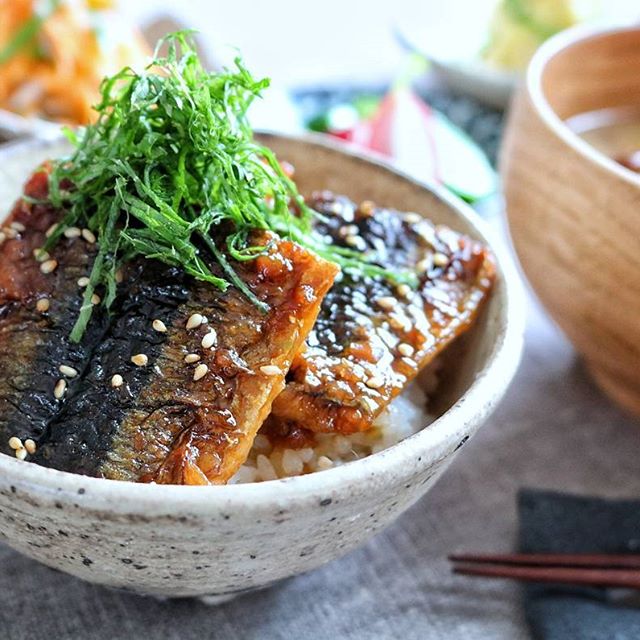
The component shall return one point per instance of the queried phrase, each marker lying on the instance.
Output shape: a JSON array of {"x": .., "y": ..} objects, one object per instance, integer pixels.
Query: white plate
[{"x": 451, "y": 36}]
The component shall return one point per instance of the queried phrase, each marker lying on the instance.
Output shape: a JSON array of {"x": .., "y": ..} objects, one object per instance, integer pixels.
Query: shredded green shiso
[{"x": 169, "y": 160}]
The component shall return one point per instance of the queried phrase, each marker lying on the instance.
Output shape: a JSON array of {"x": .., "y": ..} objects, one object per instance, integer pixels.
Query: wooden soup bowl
[{"x": 574, "y": 213}]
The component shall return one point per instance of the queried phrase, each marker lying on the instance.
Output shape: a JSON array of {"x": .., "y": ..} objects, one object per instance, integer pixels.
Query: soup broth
[{"x": 614, "y": 132}]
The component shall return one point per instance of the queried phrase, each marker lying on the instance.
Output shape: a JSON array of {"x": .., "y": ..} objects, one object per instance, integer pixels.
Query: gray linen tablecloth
[{"x": 554, "y": 430}]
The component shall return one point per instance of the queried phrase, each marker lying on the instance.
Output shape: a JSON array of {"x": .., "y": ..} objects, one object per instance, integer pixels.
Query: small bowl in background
[
  {"x": 451, "y": 36},
  {"x": 574, "y": 213}
]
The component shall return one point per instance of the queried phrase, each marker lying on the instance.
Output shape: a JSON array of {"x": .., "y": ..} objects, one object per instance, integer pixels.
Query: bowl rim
[
  {"x": 533, "y": 83},
  {"x": 478, "y": 401}
]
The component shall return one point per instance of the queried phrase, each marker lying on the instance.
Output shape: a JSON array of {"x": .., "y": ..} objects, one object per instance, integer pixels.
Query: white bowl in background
[{"x": 451, "y": 37}]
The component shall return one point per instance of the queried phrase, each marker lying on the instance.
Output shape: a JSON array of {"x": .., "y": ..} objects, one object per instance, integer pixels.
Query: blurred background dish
[
  {"x": 384, "y": 115},
  {"x": 34, "y": 88},
  {"x": 54, "y": 54},
  {"x": 453, "y": 46},
  {"x": 572, "y": 201},
  {"x": 482, "y": 48}
]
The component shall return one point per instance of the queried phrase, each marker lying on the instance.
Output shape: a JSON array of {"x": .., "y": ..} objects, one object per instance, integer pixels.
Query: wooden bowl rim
[{"x": 533, "y": 83}]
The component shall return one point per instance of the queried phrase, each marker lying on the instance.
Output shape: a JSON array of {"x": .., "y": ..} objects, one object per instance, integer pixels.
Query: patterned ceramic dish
[{"x": 221, "y": 540}]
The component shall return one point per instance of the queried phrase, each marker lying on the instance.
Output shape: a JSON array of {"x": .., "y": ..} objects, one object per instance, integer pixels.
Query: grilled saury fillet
[
  {"x": 37, "y": 310},
  {"x": 371, "y": 338},
  {"x": 172, "y": 386}
]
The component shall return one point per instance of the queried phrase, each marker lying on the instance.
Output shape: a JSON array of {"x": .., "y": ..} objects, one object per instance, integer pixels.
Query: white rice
[{"x": 404, "y": 416}]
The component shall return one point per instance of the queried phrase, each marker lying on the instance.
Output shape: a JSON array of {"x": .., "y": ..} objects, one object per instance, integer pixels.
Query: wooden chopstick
[
  {"x": 628, "y": 561},
  {"x": 578, "y": 569}
]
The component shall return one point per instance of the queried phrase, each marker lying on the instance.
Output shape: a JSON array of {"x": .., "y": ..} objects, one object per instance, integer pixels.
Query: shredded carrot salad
[{"x": 54, "y": 54}]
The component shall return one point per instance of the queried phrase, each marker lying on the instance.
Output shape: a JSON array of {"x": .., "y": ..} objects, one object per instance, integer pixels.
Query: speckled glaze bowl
[{"x": 221, "y": 540}]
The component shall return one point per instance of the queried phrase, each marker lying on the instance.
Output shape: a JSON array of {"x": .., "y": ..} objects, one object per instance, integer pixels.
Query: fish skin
[
  {"x": 80, "y": 437},
  {"x": 33, "y": 345}
]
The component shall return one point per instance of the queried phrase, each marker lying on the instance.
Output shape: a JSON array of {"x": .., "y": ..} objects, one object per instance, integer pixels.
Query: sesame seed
[
  {"x": 409, "y": 362},
  {"x": 200, "y": 372},
  {"x": 403, "y": 290},
  {"x": 95, "y": 299},
  {"x": 18, "y": 226},
  {"x": 427, "y": 234},
  {"x": 116, "y": 380},
  {"x": 72, "y": 232},
  {"x": 41, "y": 255},
  {"x": 367, "y": 208},
  {"x": 400, "y": 324},
  {"x": 210, "y": 339},
  {"x": 68, "y": 371},
  {"x": 48, "y": 266},
  {"x": 190, "y": 358},
  {"x": 43, "y": 305},
  {"x": 369, "y": 405},
  {"x": 205, "y": 320},
  {"x": 21, "y": 453},
  {"x": 119, "y": 276},
  {"x": 348, "y": 230},
  {"x": 3, "y": 236},
  {"x": 88, "y": 235},
  {"x": 412, "y": 218},
  {"x": 195, "y": 320},
  {"x": 355, "y": 241},
  {"x": 336, "y": 207},
  {"x": 375, "y": 382},
  {"x": 51, "y": 230},
  {"x": 83, "y": 282},
  {"x": 30, "y": 446},
  {"x": 387, "y": 303},
  {"x": 405, "y": 349},
  {"x": 15, "y": 443},
  {"x": 270, "y": 370},
  {"x": 159, "y": 326},
  {"x": 440, "y": 260},
  {"x": 10, "y": 233},
  {"x": 60, "y": 388},
  {"x": 292, "y": 319},
  {"x": 140, "y": 359},
  {"x": 423, "y": 266}
]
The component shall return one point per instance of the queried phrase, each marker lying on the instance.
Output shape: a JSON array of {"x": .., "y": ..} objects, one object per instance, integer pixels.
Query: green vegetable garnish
[{"x": 170, "y": 171}]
